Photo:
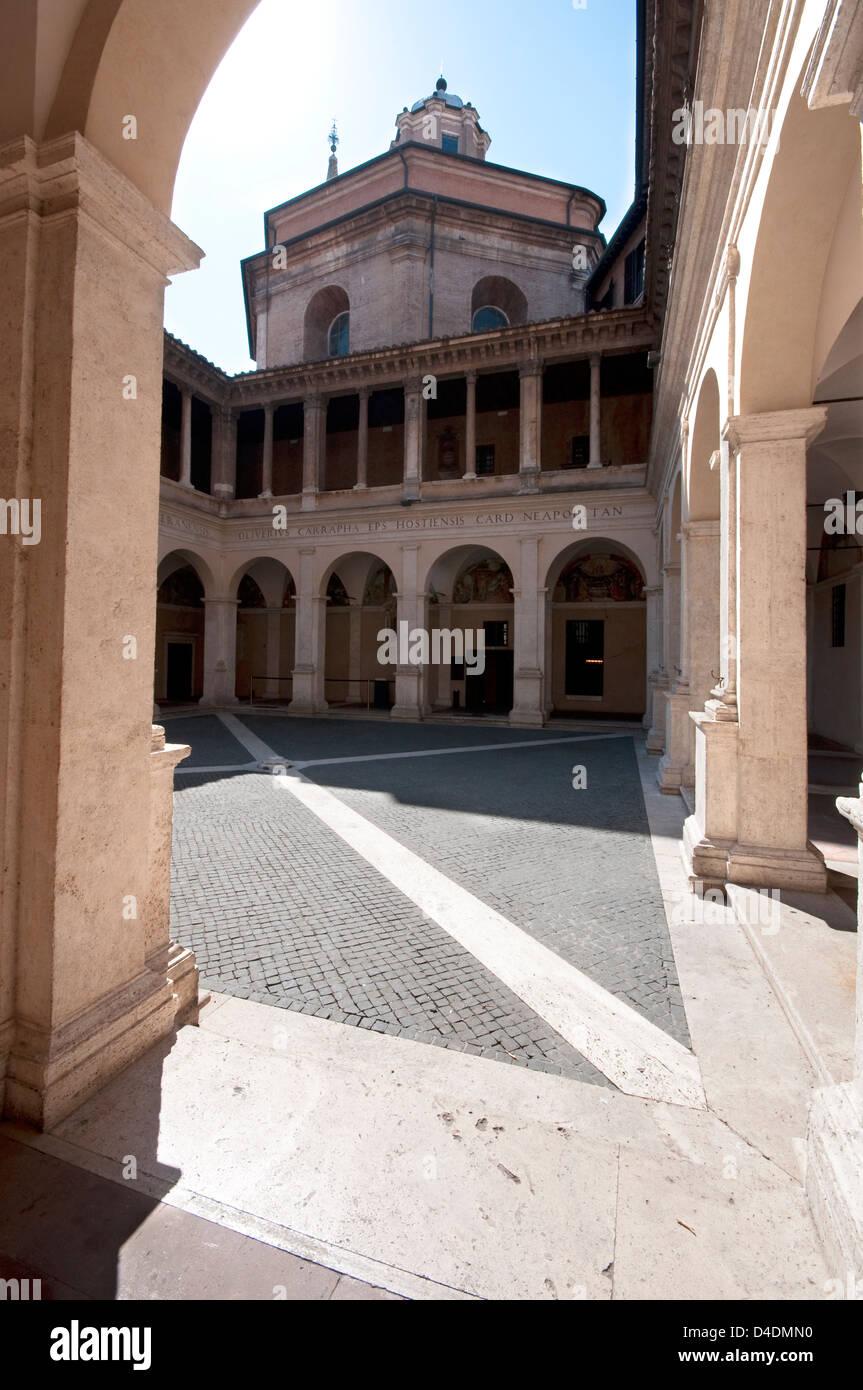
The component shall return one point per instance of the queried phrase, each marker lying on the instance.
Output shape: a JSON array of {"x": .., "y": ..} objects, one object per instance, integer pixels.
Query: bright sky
[{"x": 553, "y": 82}]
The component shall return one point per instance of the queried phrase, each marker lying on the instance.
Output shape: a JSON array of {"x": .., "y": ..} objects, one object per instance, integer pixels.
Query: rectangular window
[
  {"x": 579, "y": 456},
  {"x": 585, "y": 658},
  {"x": 449, "y": 144},
  {"x": 496, "y": 635},
  {"x": 484, "y": 460},
  {"x": 633, "y": 274},
  {"x": 839, "y": 615}
]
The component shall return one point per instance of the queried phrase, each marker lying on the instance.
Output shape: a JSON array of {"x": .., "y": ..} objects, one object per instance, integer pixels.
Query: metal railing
[
  {"x": 272, "y": 680},
  {"x": 373, "y": 693}
]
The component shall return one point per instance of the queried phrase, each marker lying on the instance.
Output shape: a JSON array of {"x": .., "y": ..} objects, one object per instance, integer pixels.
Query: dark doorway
[
  {"x": 491, "y": 693},
  {"x": 585, "y": 657},
  {"x": 178, "y": 684}
]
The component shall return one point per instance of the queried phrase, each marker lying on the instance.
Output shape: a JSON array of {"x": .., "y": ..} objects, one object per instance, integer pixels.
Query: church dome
[{"x": 440, "y": 92}]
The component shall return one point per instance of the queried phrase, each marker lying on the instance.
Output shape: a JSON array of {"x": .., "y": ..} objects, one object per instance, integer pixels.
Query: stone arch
[
  {"x": 701, "y": 638},
  {"x": 596, "y": 630},
  {"x": 703, "y": 481},
  {"x": 469, "y": 589},
  {"x": 499, "y": 292},
  {"x": 819, "y": 153},
  {"x": 265, "y": 630},
  {"x": 178, "y": 559},
  {"x": 153, "y": 58},
  {"x": 322, "y": 310},
  {"x": 834, "y": 464},
  {"x": 183, "y": 582},
  {"x": 359, "y": 589}
]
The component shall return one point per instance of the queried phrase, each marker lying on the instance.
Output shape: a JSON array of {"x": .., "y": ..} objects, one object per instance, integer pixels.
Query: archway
[
  {"x": 180, "y": 629},
  {"x": 470, "y": 591},
  {"x": 360, "y": 594},
  {"x": 701, "y": 561},
  {"x": 266, "y": 627},
  {"x": 596, "y": 642},
  {"x": 84, "y": 296},
  {"x": 834, "y": 466}
]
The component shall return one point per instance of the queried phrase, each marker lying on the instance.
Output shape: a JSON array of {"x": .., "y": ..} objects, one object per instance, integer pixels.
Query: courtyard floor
[{"x": 463, "y": 1041}]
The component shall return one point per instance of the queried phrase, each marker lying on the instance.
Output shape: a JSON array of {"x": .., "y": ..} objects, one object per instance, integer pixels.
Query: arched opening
[
  {"x": 180, "y": 624},
  {"x": 597, "y": 631},
  {"x": 326, "y": 329},
  {"x": 702, "y": 559},
  {"x": 266, "y": 631},
  {"x": 360, "y": 593},
  {"x": 470, "y": 592},
  {"x": 497, "y": 302},
  {"x": 834, "y": 466}
]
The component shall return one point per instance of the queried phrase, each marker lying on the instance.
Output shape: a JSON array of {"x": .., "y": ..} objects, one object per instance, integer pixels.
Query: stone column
[
  {"x": 274, "y": 650},
  {"x": 835, "y": 1138},
  {"x": 84, "y": 990},
  {"x": 224, "y": 453},
  {"x": 530, "y": 418},
  {"x": 529, "y": 639},
  {"x": 310, "y": 640},
  {"x": 355, "y": 651},
  {"x": 410, "y": 609},
  {"x": 415, "y": 425},
  {"x": 162, "y": 955},
  {"x": 653, "y": 618},
  {"x": 363, "y": 440},
  {"x": 470, "y": 427},
  {"x": 750, "y": 822},
  {"x": 699, "y": 650},
  {"x": 267, "y": 463},
  {"x": 595, "y": 410},
  {"x": 314, "y": 442},
  {"x": 186, "y": 439},
  {"x": 220, "y": 652}
]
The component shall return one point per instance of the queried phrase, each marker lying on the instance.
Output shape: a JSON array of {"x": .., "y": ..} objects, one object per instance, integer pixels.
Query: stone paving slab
[{"x": 278, "y": 910}]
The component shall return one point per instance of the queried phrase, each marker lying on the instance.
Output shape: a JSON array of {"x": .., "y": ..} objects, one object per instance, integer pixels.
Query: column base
[
  {"x": 834, "y": 1181},
  {"x": 527, "y": 718},
  {"x": 705, "y": 861},
  {"x": 409, "y": 713},
  {"x": 218, "y": 702},
  {"x": 309, "y": 502},
  {"x": 51, "y": 1073},
  {"x": 672, "y": 777},
  {"x": 528, "y": 480},
  {"x": 710, "y": 863},
  {"x": 798, "y": 871}
]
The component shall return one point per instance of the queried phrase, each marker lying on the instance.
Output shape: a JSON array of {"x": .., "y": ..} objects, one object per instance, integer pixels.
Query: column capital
[
  {"x": 316, "y": 400},
  {"x": 531, "y": 366},
  {"x": 365, "y": 392},
  {"x": 775, "y": 426},
  {"x": 413, "y": 385},
  {"x": 595, "y": 359},
  {"x": 226, "y": 600},
  {"x": 471, "y": 377},
  {"x": 61, "y": 176}
]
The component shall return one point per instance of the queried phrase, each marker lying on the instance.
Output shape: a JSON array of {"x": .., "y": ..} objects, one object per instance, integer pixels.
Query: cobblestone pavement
[
  {"x": 278, "y": 909},
  {"x": 574, "y": 868}
]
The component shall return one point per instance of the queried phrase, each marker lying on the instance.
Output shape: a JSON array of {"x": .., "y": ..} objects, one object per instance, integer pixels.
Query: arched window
[
  {"x": 488, "y": 318},
  {"x": 340, "y": 335}
]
